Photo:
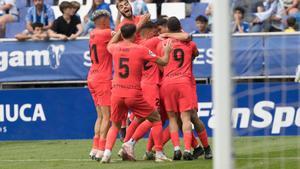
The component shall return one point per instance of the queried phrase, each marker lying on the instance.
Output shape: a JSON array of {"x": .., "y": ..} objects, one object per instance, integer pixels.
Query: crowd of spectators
[{"x": 247, "y": 16}]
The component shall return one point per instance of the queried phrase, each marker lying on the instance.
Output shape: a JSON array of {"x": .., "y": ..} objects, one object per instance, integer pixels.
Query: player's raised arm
[
  {"x": 183, "y": 36},
  {"x": 115, "y": 39},
  {"x": 144, "y": 19},
  {"x": 167, "y": 50}
]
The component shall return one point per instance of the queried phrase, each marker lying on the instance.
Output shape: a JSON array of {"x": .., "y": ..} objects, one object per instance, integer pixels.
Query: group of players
[{"x": 153, "y": 80}]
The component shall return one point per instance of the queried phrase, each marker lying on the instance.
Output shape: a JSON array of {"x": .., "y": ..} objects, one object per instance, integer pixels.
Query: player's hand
[
  {"x": 168, "y": 46},
  {"x": 72, "y": 37},
  {"x": 145, "y": 18}
]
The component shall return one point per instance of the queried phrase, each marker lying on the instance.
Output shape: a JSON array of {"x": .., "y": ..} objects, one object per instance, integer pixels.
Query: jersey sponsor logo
[
  {"x": 264, "y": 114},
  {"x": 151, "y": 53},
  {"x": 24, "y": 112},
  {"x": 32, "y": 58}
]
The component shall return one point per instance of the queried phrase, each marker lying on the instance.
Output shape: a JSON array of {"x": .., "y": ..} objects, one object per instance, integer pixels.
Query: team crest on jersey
[{"x": 151, "y": 53}]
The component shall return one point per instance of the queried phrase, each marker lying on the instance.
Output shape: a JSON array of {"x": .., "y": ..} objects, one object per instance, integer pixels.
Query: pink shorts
[
  {"x": 177, "y": 97},
  {"x": 121, "y": 105},
  {"x": 101, "y": 93}
]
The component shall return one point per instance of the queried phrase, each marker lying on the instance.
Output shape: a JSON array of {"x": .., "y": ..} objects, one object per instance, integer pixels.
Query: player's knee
[{"x": 154, "y": 116}]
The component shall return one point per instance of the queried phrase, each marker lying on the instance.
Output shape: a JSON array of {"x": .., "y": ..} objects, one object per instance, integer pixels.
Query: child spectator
[
  {"x": 38, "y": 33},
  {"x": 68, "y": 26},
  {"x": 8, "y": 13},
  {"x": 202, "y": 25},
  {"x": 239, "y": 25},
  {"x": 76, "y": 7},
  {"x": 97, "y": 5},
  {"x": 39, "y": 13},
  {"x": 291, "y": 22}
]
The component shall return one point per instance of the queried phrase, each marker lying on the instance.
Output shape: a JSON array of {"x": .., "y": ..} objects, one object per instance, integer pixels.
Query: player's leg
[
  {"x": 202, "y": 134},
  {"x": 174, "y": 129},
  {"x": 118, "y": 109},
  {"x": 96, "y": 138},
  {"x": 144, "y": 110},
  {"x": 104, "y": 126},
  {"x": 187, "y": 134}
]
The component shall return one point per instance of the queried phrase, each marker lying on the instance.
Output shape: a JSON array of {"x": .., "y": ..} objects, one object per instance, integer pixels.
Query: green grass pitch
[{"x": 250, "y": 153}]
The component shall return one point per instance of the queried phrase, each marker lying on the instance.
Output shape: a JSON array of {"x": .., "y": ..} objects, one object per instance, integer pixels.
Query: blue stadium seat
[
  {"x": 188, "y": 24},
  {"x": 198, "y": 9},
  {"x": 21, "y": 4}
]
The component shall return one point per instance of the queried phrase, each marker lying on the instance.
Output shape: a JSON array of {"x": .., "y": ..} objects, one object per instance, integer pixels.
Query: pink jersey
[
  {"x": 151, "y": 73},
  {"x": 179, "y": 67},
  {"x": 101, "y": 69},
  {"x": 129, "y": 61}
]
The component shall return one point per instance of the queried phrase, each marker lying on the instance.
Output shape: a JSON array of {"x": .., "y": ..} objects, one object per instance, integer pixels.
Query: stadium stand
[{"x": 178, "y": 9}]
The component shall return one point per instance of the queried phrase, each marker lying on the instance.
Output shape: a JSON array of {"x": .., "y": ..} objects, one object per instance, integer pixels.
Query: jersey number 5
[
  {"x": 123, "y": 64},
  {"x": 179, "y": 56}
]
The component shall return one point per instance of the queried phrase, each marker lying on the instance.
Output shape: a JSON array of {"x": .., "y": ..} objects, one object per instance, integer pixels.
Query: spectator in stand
[
  {"x": 209, "y": 13},
  {"x": 202, "y": 25},
  {"x": 39, "y": 13},
  {"x": 8, "y": 13},
  {"x": 272, "y": 18},
  {"x": 139, "y": 7},
  {"x": 88, "y": 23},
  {"x": 239, "y": 25},
  {"x": 76, "y": 7},
  {"x": 290, "y": 6},
  {"x": 68, "y": 26},
  {"x": 38, "y": 33},
  {"x": 257, "y": 25},
  {"x": 291, "y": 22}
]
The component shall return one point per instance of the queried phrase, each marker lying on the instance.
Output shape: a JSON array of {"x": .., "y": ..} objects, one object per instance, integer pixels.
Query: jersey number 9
[{"x": 179, "y": 56}]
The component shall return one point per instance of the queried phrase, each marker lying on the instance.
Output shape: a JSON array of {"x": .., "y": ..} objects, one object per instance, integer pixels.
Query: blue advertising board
[
  {"x": 260, "y": 109},
  {"x": 60, "y": 60}
]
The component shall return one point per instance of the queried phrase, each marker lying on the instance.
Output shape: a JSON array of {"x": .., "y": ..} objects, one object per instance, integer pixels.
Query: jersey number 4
[
  {"x": 123, "y": 64},
  {"x": 179, "y": 56}
]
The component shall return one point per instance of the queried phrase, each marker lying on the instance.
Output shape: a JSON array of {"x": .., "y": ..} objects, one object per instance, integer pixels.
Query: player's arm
[
  {"x": 195, "y": 50},
  {"x": 183, "y": 36},
  {"x": 115, "y": 39},
  {"x": 145, "y": 18},
  {"x": 163, "y": 61}
]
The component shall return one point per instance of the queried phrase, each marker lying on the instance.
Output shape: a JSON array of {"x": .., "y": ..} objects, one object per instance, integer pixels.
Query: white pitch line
[{"x": 85, "y": 160}]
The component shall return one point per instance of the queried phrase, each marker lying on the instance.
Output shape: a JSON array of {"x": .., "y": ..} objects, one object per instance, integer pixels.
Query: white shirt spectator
[{"x": 13, "y": 10}]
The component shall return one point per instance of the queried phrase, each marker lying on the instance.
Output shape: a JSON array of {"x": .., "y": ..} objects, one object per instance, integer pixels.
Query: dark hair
[
  {"x": 148, "y": 25},
  {"x": 291, "y": 21},
  {"x": 76, "y": 5},
  {"x": 119, "y": 1},
  {"x": 240, "y": 9},
  {"x": 65, "y": 5},
  {"x": 128, "y": 30},
  {"x": 161, "y": 22},
  {"x": 37, "y": 25},
  {"x": 202, "y": 19},
  {"x": 174, "y": 24}
]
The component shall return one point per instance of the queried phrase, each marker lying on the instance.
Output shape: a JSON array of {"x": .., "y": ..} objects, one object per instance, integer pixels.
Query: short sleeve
[
  {"x": 55, "y": 26},
  {"x": 29, "y": 17},
  {"x": 50, "y": 14},
  {"x": 77, "y": 20},
  {"x": 148, "y": 55}
]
